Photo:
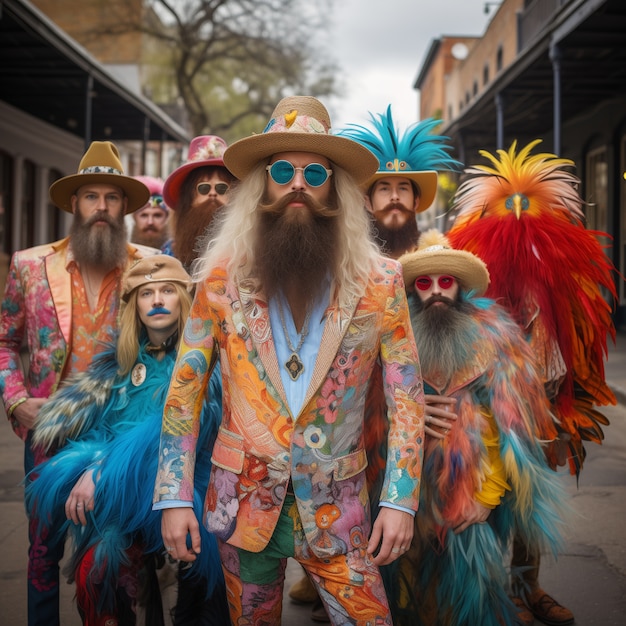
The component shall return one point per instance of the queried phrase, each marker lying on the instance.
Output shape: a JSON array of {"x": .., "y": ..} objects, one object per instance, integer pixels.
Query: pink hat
[
  {"x": 204, "y": 151},
  {"x": 155, "y": 186}
]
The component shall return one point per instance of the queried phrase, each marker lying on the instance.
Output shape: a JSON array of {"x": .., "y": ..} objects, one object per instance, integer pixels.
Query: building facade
[{"x": 553, "y": 70}]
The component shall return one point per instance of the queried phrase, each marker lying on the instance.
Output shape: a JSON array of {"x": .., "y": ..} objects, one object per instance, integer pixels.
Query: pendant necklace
[{"x": 293, "y": 364}]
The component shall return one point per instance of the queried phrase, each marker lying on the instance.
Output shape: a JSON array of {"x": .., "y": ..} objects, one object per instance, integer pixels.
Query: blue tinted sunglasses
[{"x": 282, "y": 173}]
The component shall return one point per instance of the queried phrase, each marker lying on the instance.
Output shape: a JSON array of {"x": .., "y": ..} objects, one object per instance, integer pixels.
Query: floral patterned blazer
[
  {"x": 37, "y": 307},
  {"x": 261, "y": 446}
]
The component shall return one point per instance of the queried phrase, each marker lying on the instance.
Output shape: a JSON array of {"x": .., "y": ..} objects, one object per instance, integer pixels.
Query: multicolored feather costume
[
  {"x": 115, "y": 427},
  {"x": 449, "y": 579},
  {"x": 523, "y": 217}
]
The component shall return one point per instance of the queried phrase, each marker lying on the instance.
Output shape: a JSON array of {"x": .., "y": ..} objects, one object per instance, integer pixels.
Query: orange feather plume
[{"x": 524, "y": 218}]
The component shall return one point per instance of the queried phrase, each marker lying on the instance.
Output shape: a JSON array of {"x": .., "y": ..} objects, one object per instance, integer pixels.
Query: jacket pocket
[
  {"x": 228, "y": 451},
  {"x": 350, "y": 464}
]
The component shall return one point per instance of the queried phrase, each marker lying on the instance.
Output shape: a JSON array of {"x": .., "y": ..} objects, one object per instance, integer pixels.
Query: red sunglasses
[{"x": 424, "y": 283}]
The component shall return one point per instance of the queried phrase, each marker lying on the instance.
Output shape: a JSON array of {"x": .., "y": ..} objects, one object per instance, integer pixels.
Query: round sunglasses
[
  {"x": 204, "y": 189},
  {"x": 282, "y": 173},
  {"x": 424, "y": 283}
]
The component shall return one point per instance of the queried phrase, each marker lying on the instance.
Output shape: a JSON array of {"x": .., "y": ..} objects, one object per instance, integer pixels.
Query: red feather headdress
[{"x": 523, "y": 217}]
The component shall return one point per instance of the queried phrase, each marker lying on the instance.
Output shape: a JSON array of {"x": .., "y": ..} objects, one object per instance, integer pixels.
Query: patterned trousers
[{"x": 349, "y": 585}]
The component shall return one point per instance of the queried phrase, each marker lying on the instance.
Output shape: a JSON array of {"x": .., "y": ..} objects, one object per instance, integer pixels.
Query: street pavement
[{"x": 589, "y": 575}]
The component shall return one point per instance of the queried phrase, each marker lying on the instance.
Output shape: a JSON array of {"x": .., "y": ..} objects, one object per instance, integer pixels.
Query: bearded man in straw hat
[
  {"x": 298, "y": 306},
  {"x": 405, "y": 183},
  {"x": 63, "y": 299},
  {"x": 485, "y": 476}
]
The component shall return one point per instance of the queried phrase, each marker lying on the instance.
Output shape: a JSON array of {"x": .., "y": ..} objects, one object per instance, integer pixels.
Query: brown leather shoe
[
  {"x": 303, "y": 591},
  {"x": 318, "y": 612},
  {"x": 524, "y": 616},
  {"x": 545, "y": 608}
]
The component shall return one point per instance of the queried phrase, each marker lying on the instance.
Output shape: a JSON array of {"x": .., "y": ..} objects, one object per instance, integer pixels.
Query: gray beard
[{"x": 445, "y": 336}]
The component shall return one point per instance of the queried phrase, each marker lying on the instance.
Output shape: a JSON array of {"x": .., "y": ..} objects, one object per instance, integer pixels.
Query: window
[
  {"x": 54, "y": 213},
  {"x": 499, "y": 59},
  {"x": 6, "y": 201},
  {"x": 486, "y": 74},
  {"x": 27, "y": 213}
]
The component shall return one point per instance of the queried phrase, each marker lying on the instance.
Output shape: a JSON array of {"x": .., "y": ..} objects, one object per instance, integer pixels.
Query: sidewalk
[{"x": 589, "y": 576}]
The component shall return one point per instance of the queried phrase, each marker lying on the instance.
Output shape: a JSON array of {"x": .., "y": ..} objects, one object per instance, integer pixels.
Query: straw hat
[
  {"x": 435, "y": 255},
  {"x": 204, "y": 151},
  {"x": 101, "y": 165},
  {"x": 157, "y": 268},
  {"x": 300, "y": 124},
  {"x": 416, "y": 154}
]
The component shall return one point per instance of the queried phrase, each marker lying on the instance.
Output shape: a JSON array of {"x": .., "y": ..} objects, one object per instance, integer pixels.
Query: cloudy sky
[{"x": 380, "y": 46}]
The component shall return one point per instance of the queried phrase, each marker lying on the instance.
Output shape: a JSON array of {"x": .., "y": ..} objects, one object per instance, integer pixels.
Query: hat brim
[
  {"x": 426, "y": 180},
  {"x": 62, "y": 190},
  {"x": 174, "y": 182},
  {"x": 242, "y": 157},
  {"x": 467, "y": 268}
]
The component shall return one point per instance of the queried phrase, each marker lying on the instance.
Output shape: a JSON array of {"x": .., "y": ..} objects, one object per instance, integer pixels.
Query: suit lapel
[
  {"x": 60, "y": 282},
  {"x": 256, "y": 311},
  {"x": 337, "y": 322}
]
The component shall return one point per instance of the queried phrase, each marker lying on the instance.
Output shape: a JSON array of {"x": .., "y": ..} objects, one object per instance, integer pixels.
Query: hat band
[
  {"x": 293, "y": 123},
  {"x": 100, "y": 169}
]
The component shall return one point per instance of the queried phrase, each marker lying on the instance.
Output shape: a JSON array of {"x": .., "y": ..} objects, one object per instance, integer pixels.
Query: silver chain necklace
[{"x": 293, "y": 364}]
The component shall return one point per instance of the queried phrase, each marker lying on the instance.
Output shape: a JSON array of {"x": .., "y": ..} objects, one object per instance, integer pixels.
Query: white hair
[{"x": 233, "y": 241}]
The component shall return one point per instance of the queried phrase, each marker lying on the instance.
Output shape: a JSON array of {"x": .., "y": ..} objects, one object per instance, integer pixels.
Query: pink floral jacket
[
  {"x": 261, "y": 445},
  {"x": 37, "y": 307}
]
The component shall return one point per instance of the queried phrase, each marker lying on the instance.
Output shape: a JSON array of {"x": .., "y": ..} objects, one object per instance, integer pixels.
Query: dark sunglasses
[
  {"x": 282, "y": 173},
  {"x": 424, "y": 283},
  {"x": 204, "y": 189}
]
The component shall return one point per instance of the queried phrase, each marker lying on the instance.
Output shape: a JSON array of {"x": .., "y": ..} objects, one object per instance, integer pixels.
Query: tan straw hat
[
  {"x": 157, "y": 268},
  {"x": 101, "y": 165},
  {"x": 435, "y": 255},
  {"x": 300, "y": 124}
]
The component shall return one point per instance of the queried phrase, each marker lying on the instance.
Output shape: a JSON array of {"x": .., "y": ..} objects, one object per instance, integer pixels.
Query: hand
[
  {"x": 439, "y": 415},
  {"x": 478, "y": 515},
  {"x": 392, "y": 532},
  {"x": 26, "y": 413},
  {"x": 81, "y": 499},
  {"x": 176, "y": 524}
]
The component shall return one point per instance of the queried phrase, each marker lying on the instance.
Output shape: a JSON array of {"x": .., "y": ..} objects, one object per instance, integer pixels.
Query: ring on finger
[
  {"x": 395, "y": 550},
  {"x": 78, "y": 505}
]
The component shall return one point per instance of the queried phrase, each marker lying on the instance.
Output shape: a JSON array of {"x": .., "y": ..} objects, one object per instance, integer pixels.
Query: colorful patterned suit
[{"x": 261, "y": 446}]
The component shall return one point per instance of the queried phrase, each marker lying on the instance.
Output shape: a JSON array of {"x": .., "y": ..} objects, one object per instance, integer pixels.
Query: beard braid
[
  {"x": 296, "y": 253},
  {"x": 445, "y": 335},
  {"x": 190, "y": 230},
  {"x": 99, "y": 245},
  {"x": 395, "y": 242}
]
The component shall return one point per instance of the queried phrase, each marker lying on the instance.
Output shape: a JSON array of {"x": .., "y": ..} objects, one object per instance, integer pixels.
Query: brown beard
[
  {"x": 99, "y": 245},
  {"x": 394, "y": 242},
  {"x": 150, "y": 237},
  {"x": 191, "y": 225},
  {"x": 443, "y": 334},
  {"x": 296, "y": 251}
]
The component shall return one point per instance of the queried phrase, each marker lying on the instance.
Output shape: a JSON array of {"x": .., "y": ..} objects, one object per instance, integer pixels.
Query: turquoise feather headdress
[{"x": 416, "y": 154}]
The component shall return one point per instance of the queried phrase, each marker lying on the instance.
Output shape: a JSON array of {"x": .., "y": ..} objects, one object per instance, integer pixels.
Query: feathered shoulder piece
[
  {"x": 417, "y": 149},
  {"x": 77, "y": 404}
]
